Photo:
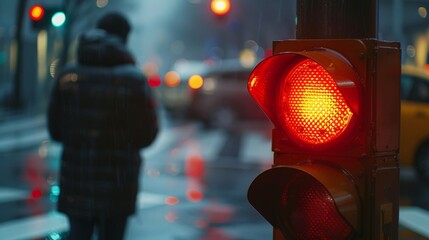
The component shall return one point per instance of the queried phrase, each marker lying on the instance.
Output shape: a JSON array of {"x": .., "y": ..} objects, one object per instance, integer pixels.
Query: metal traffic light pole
[
  {"x": 333, "y": 19},
  {"x": 358, "y": 19}
]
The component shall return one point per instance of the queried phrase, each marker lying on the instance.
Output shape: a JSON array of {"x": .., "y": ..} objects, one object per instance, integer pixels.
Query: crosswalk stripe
[
  {"x": 10, "y": 194},
  {"x": 415, "y": 219},
  {"x": 23, "y": 132},
  {"x": 23, "y": 124},
  {"x": 165, "y": 139},
  {"x": 33, "y": 227},
  {"x": 256, "y": 148},
  {"x": 53, "y": 222},
  {"x": 148, "y": 200},
  {"x": 210, "y": 144},
  {"x": 13, "y": 142}
]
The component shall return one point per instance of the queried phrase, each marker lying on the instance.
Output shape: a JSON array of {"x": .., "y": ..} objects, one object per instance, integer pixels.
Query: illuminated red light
[
  {"x": 312, "y": 107},
  {"x": 37, "y": 12},
  {"x": 220, "y": 7},
  {"x": 36, "y": 193},
  {"x": 317, "y": 97},
  {"x": 154, "y": 80}
]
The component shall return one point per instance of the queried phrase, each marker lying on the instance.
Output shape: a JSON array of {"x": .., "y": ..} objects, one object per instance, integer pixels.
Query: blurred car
[
  {"x": 175, "y": 92},
  {"x": 223, "y": 98},
  {"x": 414, "y": 133}
]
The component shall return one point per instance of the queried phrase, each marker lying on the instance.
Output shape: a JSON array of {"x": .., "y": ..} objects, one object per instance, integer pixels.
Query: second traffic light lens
[
  {"x": 313, "y": 108},
  {"x": 308, "y": 211},
  {"x": 58, "y": 19}
]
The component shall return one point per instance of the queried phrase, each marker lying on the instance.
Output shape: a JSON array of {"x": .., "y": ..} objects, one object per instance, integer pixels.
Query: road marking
[
  {"x": 415, "y": 219},
  {"x": 166, "y": 138},
  {"x": 17, "y": 141},
  {"x": 53, "y": 222},
  {"x": 23, "y": 132},
  {"x": 22, "y": 124},
  {"x": 33, "y": 227},
  {"x": 256, "y": 148},
  {"x": 206, "y": 145},
  {"x": 148, "y": 200},
  {"x": 211, "y": 143},
  {"x": 10, "y": 194}
]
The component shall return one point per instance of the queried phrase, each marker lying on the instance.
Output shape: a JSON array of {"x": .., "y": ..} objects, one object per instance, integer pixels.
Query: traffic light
[
  {"x": 37, "y": 16},
  {"x": 42, "y": 18},
  {"x": 335, "y": 109},
  {"x": 220, "y": 7}
]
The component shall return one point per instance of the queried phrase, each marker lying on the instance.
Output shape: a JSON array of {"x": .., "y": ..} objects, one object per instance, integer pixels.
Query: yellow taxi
[{"x": 414, "y": 138}]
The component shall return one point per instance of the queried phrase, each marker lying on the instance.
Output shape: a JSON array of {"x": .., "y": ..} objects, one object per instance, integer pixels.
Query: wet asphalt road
[{"x": 193, "y": 183}]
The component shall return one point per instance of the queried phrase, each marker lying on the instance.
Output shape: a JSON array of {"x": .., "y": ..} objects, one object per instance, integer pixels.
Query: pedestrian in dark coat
[{"x": 102, "y": 112}]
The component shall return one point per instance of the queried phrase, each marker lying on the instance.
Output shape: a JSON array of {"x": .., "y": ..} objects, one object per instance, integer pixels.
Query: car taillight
[{"x": 195, "y": 81}]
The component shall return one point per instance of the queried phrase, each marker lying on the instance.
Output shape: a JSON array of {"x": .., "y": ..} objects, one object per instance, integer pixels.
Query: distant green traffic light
[{"x": 58, "y": 19}]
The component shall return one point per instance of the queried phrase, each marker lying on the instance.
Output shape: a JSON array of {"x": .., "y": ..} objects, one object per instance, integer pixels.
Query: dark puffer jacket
[{"x": 102, "y": 111}]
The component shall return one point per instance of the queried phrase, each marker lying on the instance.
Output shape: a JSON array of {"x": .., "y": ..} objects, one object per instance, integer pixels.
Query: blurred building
[{"x": 183, "y": 30}]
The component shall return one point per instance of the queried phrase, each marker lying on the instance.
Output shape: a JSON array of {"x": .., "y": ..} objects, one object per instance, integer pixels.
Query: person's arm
[
  {"x": 147, "y": 120},
  {"x": 54, "y": 113}
]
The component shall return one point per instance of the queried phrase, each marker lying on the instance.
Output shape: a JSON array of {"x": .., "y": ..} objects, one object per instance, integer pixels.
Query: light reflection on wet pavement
[{"x": 194, "y": 186}]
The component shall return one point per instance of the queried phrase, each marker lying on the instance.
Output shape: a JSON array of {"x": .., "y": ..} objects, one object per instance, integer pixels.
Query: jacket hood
[{"x": 98, "y": 48}]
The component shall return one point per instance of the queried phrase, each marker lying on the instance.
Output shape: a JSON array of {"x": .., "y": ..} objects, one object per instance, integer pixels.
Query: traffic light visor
[
  {"x": 305, "y": 205},
  {"x": 313, "y": 96}
]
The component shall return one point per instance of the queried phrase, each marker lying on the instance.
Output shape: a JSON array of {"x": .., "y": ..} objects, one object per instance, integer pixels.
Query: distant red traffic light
[
  {"x": 220, "y": 7},
  {"x": 36, "y": 12}
]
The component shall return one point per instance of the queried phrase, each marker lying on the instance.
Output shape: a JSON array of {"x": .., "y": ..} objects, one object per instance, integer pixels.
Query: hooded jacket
[{"x": 102, "y": 112}]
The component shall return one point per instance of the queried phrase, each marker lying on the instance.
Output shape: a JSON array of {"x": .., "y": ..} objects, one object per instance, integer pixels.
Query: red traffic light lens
[
  {"x": 308, "y": 211},
  {"x": 36, "y": 12},
  {"x": 313, "y": 97},
  {"x": 220, "y": 7},
  {"x": 311, "y": 105},
  {"x": 309, "y": 201}
]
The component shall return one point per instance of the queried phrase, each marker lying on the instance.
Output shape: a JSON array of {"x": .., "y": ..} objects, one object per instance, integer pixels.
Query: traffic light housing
[
  {"x": 335, "y": 108},
  {"x": 43, "y": 18}
]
